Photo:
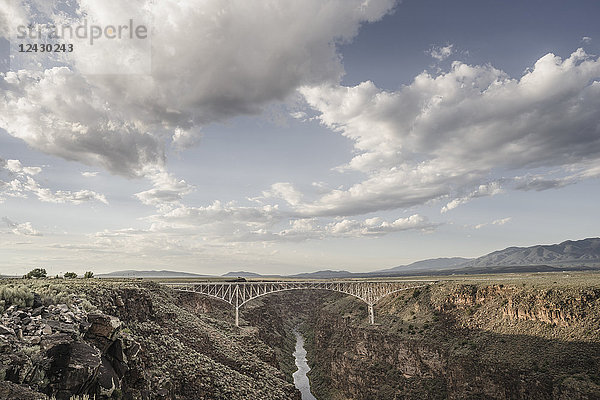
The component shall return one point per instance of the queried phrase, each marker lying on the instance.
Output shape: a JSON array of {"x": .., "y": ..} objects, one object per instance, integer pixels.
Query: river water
[{"x": 300, "y": 379}]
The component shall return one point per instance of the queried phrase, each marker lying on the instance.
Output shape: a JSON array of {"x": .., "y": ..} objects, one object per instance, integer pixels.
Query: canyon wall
[
  {"x": 535, "y": 339},
  {"x": 521, "y": 337}
]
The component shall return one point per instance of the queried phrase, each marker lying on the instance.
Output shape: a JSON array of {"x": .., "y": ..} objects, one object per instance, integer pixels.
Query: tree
[
  {"x": 70, "y": 275},
  {"x": 36, "y": 273},
  {"x": 88, "y": 275}
]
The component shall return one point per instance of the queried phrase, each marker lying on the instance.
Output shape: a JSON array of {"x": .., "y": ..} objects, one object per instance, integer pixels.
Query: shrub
[
  {"x": 18, "y": 296},
  {"x": 88, "y": 275},
  {"x": 36, "y": 273},
  {"x": 70, "y": 275}
]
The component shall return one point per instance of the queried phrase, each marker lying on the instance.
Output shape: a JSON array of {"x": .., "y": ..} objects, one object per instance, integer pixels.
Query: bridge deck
[{"x": 239, "y": 293}]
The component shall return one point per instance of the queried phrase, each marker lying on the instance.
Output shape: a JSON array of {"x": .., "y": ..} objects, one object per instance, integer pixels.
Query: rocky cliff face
[
  {"x": 457, "y": 341},
  {"x": 527, "y": 338},
  {"x": 61, "y": 350},
  {"x": 135, "y": 341}
]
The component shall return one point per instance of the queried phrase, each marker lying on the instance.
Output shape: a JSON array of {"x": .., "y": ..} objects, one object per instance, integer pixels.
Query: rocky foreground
[{"x": 128, "y": 340}]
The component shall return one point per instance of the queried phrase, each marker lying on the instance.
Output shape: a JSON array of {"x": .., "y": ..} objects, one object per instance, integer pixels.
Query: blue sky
[{"x": 297, "y": 136}]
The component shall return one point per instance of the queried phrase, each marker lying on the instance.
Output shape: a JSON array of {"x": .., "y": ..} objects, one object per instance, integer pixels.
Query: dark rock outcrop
[{"x": 60, "y": 350}]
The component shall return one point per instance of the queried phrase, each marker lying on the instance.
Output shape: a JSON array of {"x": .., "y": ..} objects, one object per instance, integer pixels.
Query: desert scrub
[
  {"x": 15, "y": 295},
  {"x": 53, "y": 293},
  {"x": 21, "y": 293}
]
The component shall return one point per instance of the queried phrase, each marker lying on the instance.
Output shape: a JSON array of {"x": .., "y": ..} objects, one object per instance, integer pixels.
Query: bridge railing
[{"x": 239, "y": 293}]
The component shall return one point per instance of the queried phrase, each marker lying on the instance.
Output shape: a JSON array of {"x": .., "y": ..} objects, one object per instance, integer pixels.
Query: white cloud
[
  {"x": 586, "y": 40},
  {"x": 443, "y": 136},
  {"x": 23, "y": 229},
  {"x": 61, "y": 196},
  {"x": 232, "y": 223},
  {"x": 86, "y": 118},
  {"x": 377, "y": 227},
  {"x": 219, "y": 214},
  {"x": 285, "y": 191},
  {"x": 313, "y": 228},
  {"x": 16, "y": 167},
  {"x": 441, "y": 53},
  {"x": 89, "y": 174},
  {"x": 490, "y": 189},
  {"x": 167, "y": 190},
  {"x": 20, "y": 183},
  {"x": 502, "y": 221},
  {"x": 12, "y": 13}
]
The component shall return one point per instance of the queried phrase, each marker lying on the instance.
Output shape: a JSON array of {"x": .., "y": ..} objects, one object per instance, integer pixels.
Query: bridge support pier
[{"x": 238, "y": 294}]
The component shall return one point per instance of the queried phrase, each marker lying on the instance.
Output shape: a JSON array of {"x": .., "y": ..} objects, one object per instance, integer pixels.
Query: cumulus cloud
[
  {"x": 23, "y": 229},
  {"x": 377, "y": 227},
  {"x": 219, "y": 213},
  {"x": 167, "y": 190},
  {"x": 20, "y": 182},
  {"x": 444, "y": 135},
  {"x": 209, "y": 62},
  {"x": 16, "y": 167},
  {"x": 234, "y": 223},
  {"x": 586, "y": 40},
  {"x": 12, "y": 14},
  {"x": 59, "y": 112},
  {"x": 285, "y": 191}
]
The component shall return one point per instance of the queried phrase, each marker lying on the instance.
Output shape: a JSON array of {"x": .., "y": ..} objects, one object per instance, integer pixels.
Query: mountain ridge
[
  {"x": 129, "y": 273},
  {"x": 569, "y": 254}
]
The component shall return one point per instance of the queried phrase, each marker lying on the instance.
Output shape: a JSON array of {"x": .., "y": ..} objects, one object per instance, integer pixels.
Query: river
[{"x": 300, "y": 379}]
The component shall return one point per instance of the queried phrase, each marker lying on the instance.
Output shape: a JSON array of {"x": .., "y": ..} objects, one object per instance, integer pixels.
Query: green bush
[
  {"x": 70, "y": 275},
  {"x": 36, "y": 273},
  {"x": 18, "y": 296},
  {"x": 88, "y": 275}
]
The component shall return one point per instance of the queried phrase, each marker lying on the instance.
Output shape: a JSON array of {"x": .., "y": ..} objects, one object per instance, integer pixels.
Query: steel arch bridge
[{"x": 239, "y": 293}]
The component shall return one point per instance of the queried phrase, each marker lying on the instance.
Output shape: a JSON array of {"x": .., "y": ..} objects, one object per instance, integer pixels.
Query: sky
[{"x": 293, "y": 136}]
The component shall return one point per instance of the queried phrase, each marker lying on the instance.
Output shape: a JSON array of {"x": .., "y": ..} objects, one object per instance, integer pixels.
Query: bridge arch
[{"x": 239, "y": 293}]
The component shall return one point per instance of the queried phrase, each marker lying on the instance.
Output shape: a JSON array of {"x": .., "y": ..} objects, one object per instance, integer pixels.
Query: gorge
[{"x": 519, "y": 336}]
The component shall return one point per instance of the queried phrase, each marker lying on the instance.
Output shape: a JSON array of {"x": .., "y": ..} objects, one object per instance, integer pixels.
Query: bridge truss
[{"x": 239, "y": 293}]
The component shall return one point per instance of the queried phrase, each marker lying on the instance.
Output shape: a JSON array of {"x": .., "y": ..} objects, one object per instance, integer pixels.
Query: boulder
[
  {"x": 108, "y": 380},
  {"x": 103, "y": 329},
  {"x": 63, "y": 327},
  {"x": 72, "y": 368},
  {"x": 37, "y": 301},
  {"x": 37, "y": 311},
  {"x": 46, "y": 329},
  {"x": 50, "y": 341},
  {"x": 4, "y": 330}
]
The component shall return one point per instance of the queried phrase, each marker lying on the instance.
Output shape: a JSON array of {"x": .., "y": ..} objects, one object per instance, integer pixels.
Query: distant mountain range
[
  {"x": 569, "y": 255},
  {"x": 131, "y": 273},
  {"x": 437, "y": 264},
  {"x": 326, "y": 274},
  {"x": 242, "y": 274}
]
